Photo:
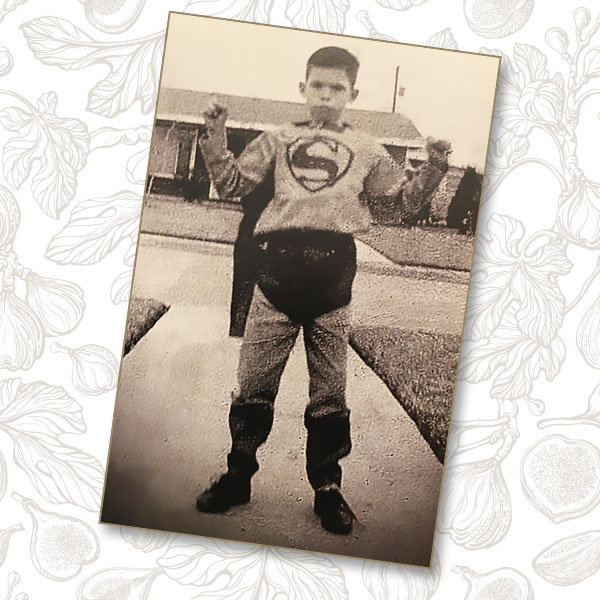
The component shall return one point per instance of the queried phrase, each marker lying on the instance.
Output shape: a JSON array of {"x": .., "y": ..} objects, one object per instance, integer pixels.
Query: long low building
[{"x": 177, "y": 168}]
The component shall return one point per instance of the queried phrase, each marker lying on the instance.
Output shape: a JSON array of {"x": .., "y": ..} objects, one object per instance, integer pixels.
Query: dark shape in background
[{"x": 464, "y": 207}]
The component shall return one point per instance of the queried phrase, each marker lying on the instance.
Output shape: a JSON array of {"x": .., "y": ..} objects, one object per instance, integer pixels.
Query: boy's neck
[{"x": 335, "y": 124}]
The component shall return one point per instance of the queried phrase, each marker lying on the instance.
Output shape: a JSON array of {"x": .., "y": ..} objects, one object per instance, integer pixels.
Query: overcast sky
[{"x": 447, "y": 94}]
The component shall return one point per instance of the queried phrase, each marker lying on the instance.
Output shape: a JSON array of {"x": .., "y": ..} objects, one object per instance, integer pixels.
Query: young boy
[{"x": 324, "y": 173}]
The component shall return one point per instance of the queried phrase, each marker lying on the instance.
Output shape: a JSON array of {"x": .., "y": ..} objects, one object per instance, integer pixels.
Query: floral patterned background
[{"x": 519, "y": 509}]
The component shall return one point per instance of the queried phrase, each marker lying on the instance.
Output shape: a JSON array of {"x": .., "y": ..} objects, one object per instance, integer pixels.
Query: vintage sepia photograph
[{"x": 299, "y": 289}]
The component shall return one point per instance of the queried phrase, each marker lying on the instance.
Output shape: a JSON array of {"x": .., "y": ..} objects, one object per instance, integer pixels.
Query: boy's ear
[
  {"x": 354, "y": 94},
  {"x": 302, "y": 87}
]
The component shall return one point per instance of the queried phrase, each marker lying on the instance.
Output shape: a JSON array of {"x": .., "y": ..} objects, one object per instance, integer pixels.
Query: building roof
[{"x": 262, "y": 114}]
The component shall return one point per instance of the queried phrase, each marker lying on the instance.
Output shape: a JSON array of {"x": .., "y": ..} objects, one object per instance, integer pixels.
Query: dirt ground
[{"x": 171, "y": 437}]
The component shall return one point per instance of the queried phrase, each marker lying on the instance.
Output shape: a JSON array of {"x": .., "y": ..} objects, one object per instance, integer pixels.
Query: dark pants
[{"x": 303, "y": 283}]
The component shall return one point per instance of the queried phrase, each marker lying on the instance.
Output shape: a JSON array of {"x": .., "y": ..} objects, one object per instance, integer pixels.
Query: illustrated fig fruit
[
  {"x": 3, "y": 476},
  {"x": 475, "y": 508},
  {"x": 13, "y": 580},
  {"x": 21, "y": 333},
  {"x": 10, "y": 215},
  {"x": 582, "y": 18},
  {"x": 569, "y": 560},
  {"x": 58, "y": 304},
  {"x": 95, "y": 369},
  {"x": 578, "y": 216},
  {"x": 112, "y": 16},
  {"x": 6, "y": 61},
  {"x": 561, "y": 477},
  {"x": 500, "y": 584},
  {"x": 588, "y": 334},
  {"x": 124, "y": 584},
  {"x": 5, "y": 538},
  {"x": 497, "y": 18},
  {"x": 144, "y": 539},
  {"x": 60, "y": 546}
]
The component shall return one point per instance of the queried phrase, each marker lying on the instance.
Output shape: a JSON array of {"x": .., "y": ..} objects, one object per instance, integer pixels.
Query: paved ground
[{"x": 170, "y": 434}]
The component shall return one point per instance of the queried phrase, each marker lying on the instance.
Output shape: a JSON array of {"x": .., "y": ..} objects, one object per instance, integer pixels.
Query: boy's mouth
[{"x": 324, "y": 113}]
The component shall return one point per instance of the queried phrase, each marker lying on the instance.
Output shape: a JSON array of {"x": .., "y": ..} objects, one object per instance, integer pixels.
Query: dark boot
[
  {"x": 328, "y": 441},
  {"x": 228, "y": 491},
  {"x": 249, "y": 424},
  {"x": 336, "y": 515}
]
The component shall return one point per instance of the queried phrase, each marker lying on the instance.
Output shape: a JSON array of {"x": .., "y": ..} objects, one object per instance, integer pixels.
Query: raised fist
[{"x": 215, "y": 117}]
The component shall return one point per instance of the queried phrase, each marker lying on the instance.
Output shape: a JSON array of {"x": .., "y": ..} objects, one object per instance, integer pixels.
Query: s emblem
[{"x": 318, "y": 162}]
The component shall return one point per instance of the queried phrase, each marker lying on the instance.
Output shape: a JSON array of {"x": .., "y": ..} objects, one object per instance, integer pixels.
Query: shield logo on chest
[{"x": 318, "y": 162}]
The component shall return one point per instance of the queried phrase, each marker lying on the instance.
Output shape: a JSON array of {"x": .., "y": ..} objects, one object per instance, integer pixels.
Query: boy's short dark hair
[{"x": 333, "y": 57}]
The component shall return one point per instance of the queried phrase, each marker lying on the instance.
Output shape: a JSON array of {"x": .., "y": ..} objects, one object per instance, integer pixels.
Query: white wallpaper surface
[{"x": 519, "y": 512}]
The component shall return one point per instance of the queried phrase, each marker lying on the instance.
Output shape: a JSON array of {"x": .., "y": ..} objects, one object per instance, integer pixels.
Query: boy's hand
[{"x": 215, "y": 117}]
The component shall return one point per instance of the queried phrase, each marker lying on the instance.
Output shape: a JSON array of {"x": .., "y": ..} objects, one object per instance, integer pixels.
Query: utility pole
[{"x": 395, "y": 89}]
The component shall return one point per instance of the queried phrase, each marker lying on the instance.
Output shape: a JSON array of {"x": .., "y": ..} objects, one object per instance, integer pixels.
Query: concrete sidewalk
[{"x": 171, "y": 436}]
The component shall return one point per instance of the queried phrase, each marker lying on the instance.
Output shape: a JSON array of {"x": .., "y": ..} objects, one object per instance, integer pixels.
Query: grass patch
[
  {"x": 218, "y": 222},
  {"x": 419, "y": 368},
  {"x": 143, "y": 315},
  {"x": 422, "y": 246},
  {"x": 209, "y": 221}
]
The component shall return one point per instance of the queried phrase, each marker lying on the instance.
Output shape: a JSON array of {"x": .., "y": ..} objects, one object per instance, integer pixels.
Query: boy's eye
[
  {"x": 317, "y": 85},
  {"x": 338, "y": 88}
]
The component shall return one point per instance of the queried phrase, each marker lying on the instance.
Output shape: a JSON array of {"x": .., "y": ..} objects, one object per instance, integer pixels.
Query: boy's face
[{"x": 327, "y": 92}]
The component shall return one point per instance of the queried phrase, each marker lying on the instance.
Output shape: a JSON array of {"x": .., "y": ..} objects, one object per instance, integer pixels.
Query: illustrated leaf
[
  {"x": 386, "y": 581},
  {"x": 39, "y": 409},
  {"x": 304, "y": 576},
  {"x": 507, "y": 270},
  {"x": 244, "y": 10},
  {"x": 542, "y": 304},
  {"x": 226, "y": 570},
  {"x": 52, "y": 147},
  {"x": 531, "y": 63},
  {"x": 119, "y": 291},
  {"x": 491, "y": 51},
  {"x": 443, "y": 39},
  {"x": 362, "y": 16},
  {"x": 134, "y": 64},
  {"x": 524, "y": 365},
  {"x": 591, "y": 62},
  {"x": 60, "y": 473},
  {"x": 7, "y": 5},
  {"x": 496, "y": 262},
  {"x": 216, "y": 566},
  {"x": 129, "y": 258},
  {"x": 14, "y": 118},
  {"x": 319, "y": 15},
  {"x": 95, "y": 228},
  {"x": 34, "y": 416},
  {"x": 518, "y": 356}
]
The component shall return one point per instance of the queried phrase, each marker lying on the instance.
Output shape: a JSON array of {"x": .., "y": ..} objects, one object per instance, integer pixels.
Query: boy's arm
[
  {"x": 386, "y": 177},
  {"x": 234, "y": 177}
]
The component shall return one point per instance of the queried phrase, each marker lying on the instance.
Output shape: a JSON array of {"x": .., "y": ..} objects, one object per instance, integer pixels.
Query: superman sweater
[{"x": 324, "y": 178}]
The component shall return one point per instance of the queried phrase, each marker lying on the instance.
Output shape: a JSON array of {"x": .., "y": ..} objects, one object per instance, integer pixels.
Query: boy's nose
[{"x": 325, "y": 94}]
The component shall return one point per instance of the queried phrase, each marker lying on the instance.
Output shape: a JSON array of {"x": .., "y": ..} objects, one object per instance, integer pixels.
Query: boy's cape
[{"x": 245, "y": 263}]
